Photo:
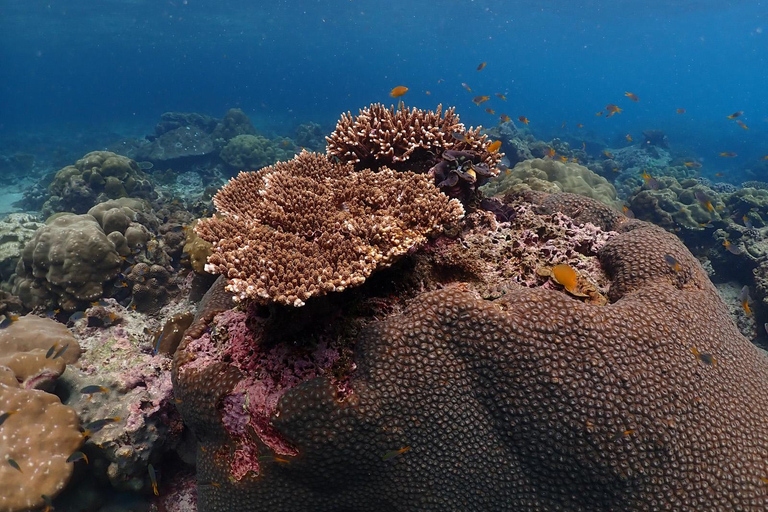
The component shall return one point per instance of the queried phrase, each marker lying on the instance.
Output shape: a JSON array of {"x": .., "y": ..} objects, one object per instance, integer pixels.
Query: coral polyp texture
[
  {"x": 309, "y": 226},
  {"x": 533, "y": 400},
  {"x": 405, "y": 139}
]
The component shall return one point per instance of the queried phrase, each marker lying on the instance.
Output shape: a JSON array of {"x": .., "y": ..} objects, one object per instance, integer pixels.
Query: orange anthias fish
[
  {"x": 464, "y": 85},
  {"x": 744, "y": 299},
  {"x": 612, "y": 109},
  {"x": 501, "y": 96},
  {"x": 551, "y": 152},
  {"x": 494, "y": 147},
  {"x": 599, "y": 114},
  {"x": 395, "y": 453},
  {"x": 741, "y": 123},
  {"x": 579, "y": 125},
  {"x": 628, "y": 137},
  {"x": 692, "y": 164},
  {"x": 504, "y": 118},
  {"x": 705, "y": 358},
  {"x": 704, "y": 200},
  {"x": 727, "y": 154},
  {"x": 631, "y": 96},
  {"x": 730, "y": 248},
  {"x": 523, "y": 119},
  {"x": 490, "y": 111},
  {"x": 735, "y": 115},
  {"x": 566, "y": 276},
  {"x": 673, "y": 263},
  {"x": 650, "y": 181},
  {"x": 398, "y": 91},
  {"x": 477, "y": 100},
  {"x": 563, "y": 158},
  {"x": 481, "y": 66},
  {"x": 607, "y": 154},
  {"x": 680, "y": 111}
]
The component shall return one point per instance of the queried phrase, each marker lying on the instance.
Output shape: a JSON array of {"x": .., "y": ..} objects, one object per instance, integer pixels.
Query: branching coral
[
  {"x": 309, "y": 226},
  {"x": 412, "y": 140}
]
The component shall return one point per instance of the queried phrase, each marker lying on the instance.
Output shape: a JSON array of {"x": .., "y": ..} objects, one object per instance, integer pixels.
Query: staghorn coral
[
  {"x": 409, "y": 140},
  {"x": 531, "y": 401},
  {"x": 308, "y": 227}
]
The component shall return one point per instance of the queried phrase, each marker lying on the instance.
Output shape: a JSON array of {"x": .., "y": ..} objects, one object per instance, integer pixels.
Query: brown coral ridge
[
  {"x": 534, "y": 401},
  {"x": 419, "y": 141},
  {"x": 308, "y": 227}
]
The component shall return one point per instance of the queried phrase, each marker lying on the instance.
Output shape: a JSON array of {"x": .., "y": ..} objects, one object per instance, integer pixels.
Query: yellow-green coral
[
  {"x": 551, "y": 176},
  {"x": 675, "y": 205}
]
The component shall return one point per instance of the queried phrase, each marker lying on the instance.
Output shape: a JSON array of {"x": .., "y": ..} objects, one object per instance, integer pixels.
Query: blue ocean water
[{"x": 114, "y": 65}]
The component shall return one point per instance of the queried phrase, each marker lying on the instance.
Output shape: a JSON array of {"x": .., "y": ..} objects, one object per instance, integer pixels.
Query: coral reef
[
  {"x": 547, "y": 175},
  {"x": 97, "y": 177},
  {"x": 66, "y": 263},
  {"x": 465, "y": 400},
  {"x": 308, "y": 226},
  {"x": 196, "y": 250}
]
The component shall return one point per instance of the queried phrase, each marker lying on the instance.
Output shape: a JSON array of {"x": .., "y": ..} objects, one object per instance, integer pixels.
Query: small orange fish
[
  {"x": 563, "y": 158},
  {"x": 395, "y": 453},
  {"x": 494, "y": 147},
  {"x": 398, "y": 91},
  {"x": 613, "y": 109},
  {"x": 153, "y": 479},
  {"x": 501, "y": 96},
  {"x": 622, "y": 434},
  {"x": 705, "y": 358},
  {"x": 490, "y": 111},
  {"x": 730, "y": 248},
  {"x": 566, "y": 276},
  {"x": 765, "y": 157},
  {"x": 719, "y": 174},
  {"x": 744, "y": 300},
  {"x": 741, "y": 123},
  {"x": 551, "y": 152},
  {"x": 672, "y": 262},
  {"x": 579, "y": 125},
  {"x": 523, "y": 119},
  {"x": 468, "y": 88},
  {"x": 735, "y": 114},
  {"x": 14, "y": 464},
  {"x": 680, "y": 111},
  {"x": 504, "y": 118},
  {"x": 478, "y": 100},
  {"x": 599, "y": 114},
  {"x": 607, "y": 154},
  {"x": 627, "y": 212},
  {"x": 481, "y": 66},
  {"x": 628, "y": 137},
  {"x": 747, "y": 222},
  {"x": 78, "y": 456},
  {"x": 632, "y": 96},
  {"x": 650, "y": 181},
  {"x": 427, "y": 93},
  {"x": 460, "y": 137},
  {"x": 727, "y": 154},
  {"x": 48, "y": 503},
  {"x": 694, "y": 165}
]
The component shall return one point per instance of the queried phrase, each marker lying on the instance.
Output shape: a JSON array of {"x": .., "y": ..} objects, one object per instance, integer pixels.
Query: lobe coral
[{"x": 460, "y": 401}]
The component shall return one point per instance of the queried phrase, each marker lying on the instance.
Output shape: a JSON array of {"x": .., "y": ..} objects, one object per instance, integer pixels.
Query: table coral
[
  {"x": 529, "y": 401},
  {"x": 308, "y": 226}
]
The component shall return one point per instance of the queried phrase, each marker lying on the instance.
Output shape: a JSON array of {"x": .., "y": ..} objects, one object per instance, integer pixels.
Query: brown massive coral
[
  {"x": 308, "y": 226},
  {"x": 531, "y": 401}
]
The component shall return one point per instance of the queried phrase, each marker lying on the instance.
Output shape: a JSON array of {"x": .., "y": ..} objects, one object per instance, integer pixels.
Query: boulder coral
[
  {"x": 443, "y": 397},
  {"x": 252, "y": 152},
  {"x": 40, "y": 433},
  {"x": 547, "y": 175},
  {"x": 66, "y": 263}
]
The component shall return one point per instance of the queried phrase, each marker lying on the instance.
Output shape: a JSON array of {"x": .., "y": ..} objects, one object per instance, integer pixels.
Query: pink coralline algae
[{"x": 269, "y": 372}]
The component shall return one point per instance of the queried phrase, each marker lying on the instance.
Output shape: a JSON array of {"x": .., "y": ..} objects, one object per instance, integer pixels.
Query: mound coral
[
  {"x": 678, "y": 205},
  {"x": 252, "y": 152},
  {"x": 547, "y": 175},
  {"x": 40, "y": 433},
  {"x": 66, "y": 263},
  {"x": 97, "y": 177},
  {"x": 412, "y": 140},
  {"x": 308, "y": 227},
  {"x": 530, "y": 400}
]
